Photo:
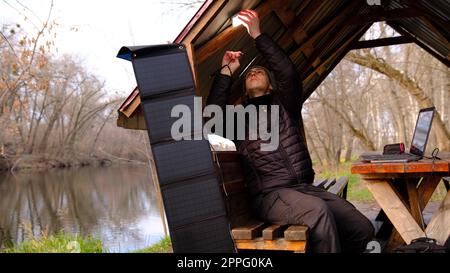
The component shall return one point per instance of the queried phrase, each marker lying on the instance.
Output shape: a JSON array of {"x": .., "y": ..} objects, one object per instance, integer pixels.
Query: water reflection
[{"x": 116, "y": 204}]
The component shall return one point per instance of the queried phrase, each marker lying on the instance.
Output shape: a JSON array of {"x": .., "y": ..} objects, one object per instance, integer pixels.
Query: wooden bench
[{"x": 249, "y": 232}]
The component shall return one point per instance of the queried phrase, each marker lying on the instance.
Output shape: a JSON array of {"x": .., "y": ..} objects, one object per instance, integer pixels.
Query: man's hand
[
  {"x": 250, "y": 20},
  {"x": 230, "y": 62}
]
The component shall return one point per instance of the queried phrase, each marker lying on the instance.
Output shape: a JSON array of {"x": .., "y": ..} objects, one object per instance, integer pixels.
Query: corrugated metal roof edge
[
  {"x": 130, "y": 99},
  {"x": 193, "y": 21}
]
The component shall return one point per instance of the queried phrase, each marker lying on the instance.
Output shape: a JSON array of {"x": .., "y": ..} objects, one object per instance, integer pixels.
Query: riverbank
[
  {"x": 67, "y": 243},
  {"x": 163, "y": 246},
  {"x": 58, "y": 243},
  {"x": 44, "y": 162}
]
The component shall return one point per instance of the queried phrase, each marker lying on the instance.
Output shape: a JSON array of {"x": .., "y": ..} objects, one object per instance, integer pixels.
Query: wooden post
[
  {"x": 414, "y": 201},
  {"x": 394, "y": 208},
  {"x": 439, "y": 226},
  {"x": 155, "y": 180}
]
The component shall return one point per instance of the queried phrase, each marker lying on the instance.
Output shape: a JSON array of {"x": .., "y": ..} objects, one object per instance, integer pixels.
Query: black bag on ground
[{"x": 421, "y": 245}]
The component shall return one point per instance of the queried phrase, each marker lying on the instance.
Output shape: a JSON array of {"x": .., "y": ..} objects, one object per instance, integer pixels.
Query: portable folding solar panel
[
  {"x": 189, "y": 184},
  {"x": 159, "y": 69},
  {"x": 158, "y": 116}
]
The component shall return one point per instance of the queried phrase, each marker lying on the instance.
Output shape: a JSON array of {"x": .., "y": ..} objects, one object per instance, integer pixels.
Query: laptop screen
[{"x": 422, "y": 131}]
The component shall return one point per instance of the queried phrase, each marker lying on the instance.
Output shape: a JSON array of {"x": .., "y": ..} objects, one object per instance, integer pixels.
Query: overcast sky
[{"x": 104, "y": 26}]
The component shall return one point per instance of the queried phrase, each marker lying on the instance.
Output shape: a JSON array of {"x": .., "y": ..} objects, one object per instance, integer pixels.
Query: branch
[
  {"x": 357, "y": 133},
  {"x": 21, "y": 13},
  {"x": 409, "y": 85},
  {"x": 40, "y": 34},
  {"x": 14, "y": 86},
  {"x": 9, "y": 44}
]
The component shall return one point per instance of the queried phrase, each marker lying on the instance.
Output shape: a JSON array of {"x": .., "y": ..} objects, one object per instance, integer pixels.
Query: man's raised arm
[
  {"x": 220, "y": 91},
  {"x": 289, "y": 88},
  {"x": 221, "y": 88}
]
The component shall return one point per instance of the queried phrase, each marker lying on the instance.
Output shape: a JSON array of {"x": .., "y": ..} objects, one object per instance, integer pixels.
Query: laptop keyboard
[{"x": 408, "y": 157}]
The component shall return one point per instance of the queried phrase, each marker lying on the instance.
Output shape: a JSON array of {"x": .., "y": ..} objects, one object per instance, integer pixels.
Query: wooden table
[{"x": 403, "y": 190}]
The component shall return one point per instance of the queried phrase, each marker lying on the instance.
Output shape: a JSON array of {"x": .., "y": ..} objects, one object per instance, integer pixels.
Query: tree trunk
[
  {"x": 315, "y": 151},
  {"x": 349, "y": 149},
  {"x": 409, "y": 85},
  {"x": 396, "y": 106},
  {"x": 365, "y": 140},
  {"x": 100, "y": 130}
]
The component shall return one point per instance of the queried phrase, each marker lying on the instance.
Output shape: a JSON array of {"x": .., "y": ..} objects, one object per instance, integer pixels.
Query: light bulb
[{"x": 236, "y": 21}]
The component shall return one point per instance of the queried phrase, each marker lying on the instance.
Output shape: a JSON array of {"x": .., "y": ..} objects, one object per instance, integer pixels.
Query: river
[{"x": 117, "y": 204}]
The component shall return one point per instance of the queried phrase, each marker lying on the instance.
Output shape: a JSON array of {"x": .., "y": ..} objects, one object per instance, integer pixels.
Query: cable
[
  {"x": 220, "y": 69},
  {"x": 435, "y": 153},
  {"x": 219, "y": 169}
]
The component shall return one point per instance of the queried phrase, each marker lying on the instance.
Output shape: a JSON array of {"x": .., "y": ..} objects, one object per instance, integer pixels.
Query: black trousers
[{"x": 335, "y": 224}]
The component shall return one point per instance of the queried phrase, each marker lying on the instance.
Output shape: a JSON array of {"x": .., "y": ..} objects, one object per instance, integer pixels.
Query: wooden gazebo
[{"x": 316, "y": 35}]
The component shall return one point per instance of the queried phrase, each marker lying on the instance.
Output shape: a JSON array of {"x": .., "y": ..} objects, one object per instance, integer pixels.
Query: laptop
[{"x": 418, "y": 143}]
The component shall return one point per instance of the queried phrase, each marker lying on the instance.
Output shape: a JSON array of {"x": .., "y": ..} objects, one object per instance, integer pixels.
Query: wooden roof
[{"x": 316, "y": 35}]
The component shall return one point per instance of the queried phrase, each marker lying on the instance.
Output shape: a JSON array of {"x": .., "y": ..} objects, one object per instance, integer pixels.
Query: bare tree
[{"x": 380, "y": 65}]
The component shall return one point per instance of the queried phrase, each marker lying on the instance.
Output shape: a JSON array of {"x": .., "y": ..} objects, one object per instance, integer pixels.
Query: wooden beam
[
  {"x": 395, "y": 209},
  {"x": 330, "y": 63},
  {"x": 129, "y": 100},
  {"x": 217, "y": 43},
  {"x": 330, "y": 182},
  {"x": 306, "y": 12},
  {"x": 446, "y": 181},
  {"x": 322, "y": 68},
  {"x": 382, "y": 42},
  {"x": 248, "y": 232},
  {"x": 426, "y": 189},
  {"x": 296, "y": 233},
  {"x": 380, "y": 15},
  {"x": 272, "y": 232},
  {"x": 281, "y": 9},
  {"x": 135, "y": 122},
  {"x": 299, "y": 33},
  {"x": 320, "y": 182},
  {"x": 194, "y": 31},
  {"x": 191, "y": 57},
  {"x": 336, "y": 23},
  {"x": 279, "y": 244},
  {"x": 439, "y": 226},
  {"x": 303, "y": 5},
  {"x": 340, "y": 185},
  {"x": 414, "y": 201},
  {"x": 307, "y": 43},
  {"x": 135, "y": 103}
]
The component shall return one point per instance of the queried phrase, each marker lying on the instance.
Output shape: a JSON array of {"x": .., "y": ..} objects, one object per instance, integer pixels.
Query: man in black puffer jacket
[{"x": 280, "y": 181}]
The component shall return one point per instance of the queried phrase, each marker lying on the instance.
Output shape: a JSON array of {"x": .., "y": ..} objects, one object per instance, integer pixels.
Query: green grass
[
  {"x": 163, "y": 246},
  {"x": 65, "y": 243},
  {"x": 356, "y": 189},
  {"x": 59, "y": 243},
  {"x": 440, "y": 193}
]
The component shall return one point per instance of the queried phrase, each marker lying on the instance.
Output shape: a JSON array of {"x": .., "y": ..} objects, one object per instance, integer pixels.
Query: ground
[{"x": 371, "y": 209}]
